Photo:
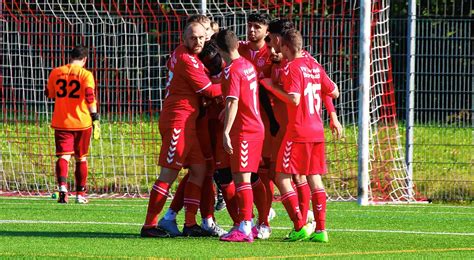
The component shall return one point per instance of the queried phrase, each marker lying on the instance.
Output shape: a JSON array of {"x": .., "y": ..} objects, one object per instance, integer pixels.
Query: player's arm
[
  {"x": 289, "y": 98},
  {"x": 196, "y": 75},
  {"x": 330, "y": 86},
  {"x": 231, "y": 107},
  {"x": 49, "y": 91},
  {"x": 91, "y": 102}
]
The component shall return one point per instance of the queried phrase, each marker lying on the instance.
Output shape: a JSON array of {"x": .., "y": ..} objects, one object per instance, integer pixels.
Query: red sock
[
  {"x": 318, "y": 198},
  {"x": 62, "y": 167},
  {"x": 192, "y": 199},
  {"x": 228, "y": 192},
  {"x": 245, "y": 201},
  {"x": 290, "y": 201},
  {"x": 81, "y": 177},
  {"x": 304, "y": 196},
  {"x": 207, "y": 198},
  {"x": 268, "y": 183},
  {"x": 260, "y": 200},
  {"x": 178, "y": 200},
  {"x": 158, "y": 196}
]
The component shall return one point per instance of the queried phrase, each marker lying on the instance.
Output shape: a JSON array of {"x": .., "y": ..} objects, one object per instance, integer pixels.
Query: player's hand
[
  {"x": 336, "y": 127},
  {"x": 227, "y": 145},
  {"x": 95, "y": 126}
]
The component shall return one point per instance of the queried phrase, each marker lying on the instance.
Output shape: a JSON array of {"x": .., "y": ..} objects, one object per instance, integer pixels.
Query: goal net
[{"x": 130, "y": 42}]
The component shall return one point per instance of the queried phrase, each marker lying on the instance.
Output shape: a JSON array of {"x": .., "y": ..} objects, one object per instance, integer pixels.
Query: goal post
[{"x": 130, "y": 42}]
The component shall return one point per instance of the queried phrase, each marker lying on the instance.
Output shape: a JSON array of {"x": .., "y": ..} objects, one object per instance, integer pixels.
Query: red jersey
[
  {"x": 279, "y": 107},
  {"x": 186, "y": 80},
  {"x": 240, "y": 82},
  {"x": 305, "y": 77},
  {"x": 259, "y": 58}
]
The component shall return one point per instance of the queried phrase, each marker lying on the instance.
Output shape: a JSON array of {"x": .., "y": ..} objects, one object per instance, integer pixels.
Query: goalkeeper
[{"x": 75, "y": 114}]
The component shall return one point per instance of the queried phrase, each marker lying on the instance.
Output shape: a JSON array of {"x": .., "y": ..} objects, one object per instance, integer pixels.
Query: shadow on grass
[{"x": 66, "y": 234}]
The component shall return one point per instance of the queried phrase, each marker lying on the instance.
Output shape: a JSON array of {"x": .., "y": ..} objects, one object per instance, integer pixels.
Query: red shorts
[
  {"x": 246, "y": 156},
  {"x": 222, "y": 157},
  {"x": 202, "y": 131},
  {"x": 301, "y": 158},
  {"x": 73, "y": 142},
  {"x": 179, "y": 146}
]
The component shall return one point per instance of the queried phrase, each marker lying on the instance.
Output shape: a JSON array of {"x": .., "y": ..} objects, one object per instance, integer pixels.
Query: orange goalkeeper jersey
[{"x": 69, "y": 85}]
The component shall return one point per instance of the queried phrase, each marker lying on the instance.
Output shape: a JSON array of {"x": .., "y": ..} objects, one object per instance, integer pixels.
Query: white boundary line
[{"x": 12, "y": 221}]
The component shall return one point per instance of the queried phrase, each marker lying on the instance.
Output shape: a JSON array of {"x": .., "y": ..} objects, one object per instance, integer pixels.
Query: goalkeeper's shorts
[{"x": 73, "y": 142}]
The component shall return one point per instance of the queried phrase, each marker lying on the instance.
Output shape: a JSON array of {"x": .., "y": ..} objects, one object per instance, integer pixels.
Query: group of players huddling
[{"x": 248, "y": 115}]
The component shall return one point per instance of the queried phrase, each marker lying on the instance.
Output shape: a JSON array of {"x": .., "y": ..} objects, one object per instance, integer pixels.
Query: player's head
[
  {"x": 291, "y": 42},
  {"x": 274, "y": 56},
  {"x": 227, "y": 41},
  {"x": 257, "y": 25},
  {"x": 194, "y": 37},
  {"x": 204, "y": 21},
  {"x": 79, "y": 53},
  {"x": 276, "y": 29},
  {"x": 215, "y": 26}
]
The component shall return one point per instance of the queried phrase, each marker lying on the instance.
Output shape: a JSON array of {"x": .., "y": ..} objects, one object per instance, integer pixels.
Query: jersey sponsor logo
[
  {"x": 310, "y": 73},
  {"x": 244, "y": 154}
]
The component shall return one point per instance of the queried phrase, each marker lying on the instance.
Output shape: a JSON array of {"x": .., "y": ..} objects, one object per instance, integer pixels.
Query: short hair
[
  {"x": 79, "y": 52},
  {"x": 292, "y": 39},
  {"x": 279, "y": 26},
  {"x": 197, "y": 18},
  {"x": 227, "y": 40},
  {"x": 261, "y": 18},
  {"x": 267, "y": 39},
  {"x": 188, "y": 26}
]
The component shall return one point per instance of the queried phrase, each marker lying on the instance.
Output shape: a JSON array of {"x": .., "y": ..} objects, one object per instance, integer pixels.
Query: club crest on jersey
[{"x": 260, "y": 62}]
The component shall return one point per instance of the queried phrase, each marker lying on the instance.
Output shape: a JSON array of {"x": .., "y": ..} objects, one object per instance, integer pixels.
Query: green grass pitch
[{"x": 109, "y": 228}]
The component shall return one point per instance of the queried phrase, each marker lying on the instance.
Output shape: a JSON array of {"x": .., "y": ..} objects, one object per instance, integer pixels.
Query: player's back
[
  {"x": 68, "y": 84},
  {"x": 240, "y": 81},
  {"x": 304, "y": 76}
]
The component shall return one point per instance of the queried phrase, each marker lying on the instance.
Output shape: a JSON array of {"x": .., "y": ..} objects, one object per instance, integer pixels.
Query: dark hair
[
  {"x": 79, "y": 53},
  {"x": 227, "y": 40},
  {"x": 267, "y": 39},
  {"x": 197, "y": 18},
  {"x": 261, "y": 18},
  {"x": 279, "y": 26},
  {"x": 293, "y": 39}
]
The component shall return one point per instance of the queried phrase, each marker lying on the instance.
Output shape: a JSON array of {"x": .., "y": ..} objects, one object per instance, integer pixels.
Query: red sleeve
[
  {"x": 292, "y": 80},
  {"x": 327, "y": 85},
  {"x": 195, "y": 73},
  {"x": 328, "y": 104},
  {"x": 233, "y": 85}
]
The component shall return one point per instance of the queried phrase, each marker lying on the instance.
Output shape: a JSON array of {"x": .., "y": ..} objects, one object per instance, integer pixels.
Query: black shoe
[
  {"x": 63, "y": 198},
  {"x": 220, "y": 203},
  {"x": 154, "y": 232},
  {"x": 195, "y": 231}
]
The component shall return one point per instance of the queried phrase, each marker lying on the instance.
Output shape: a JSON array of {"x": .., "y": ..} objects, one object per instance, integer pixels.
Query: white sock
[
  {"x": 62, "y": 188},
  {"x": 245, "y": 227},
  {"x": 208, "y": 222},
  {"x": 170, "y": 215}
]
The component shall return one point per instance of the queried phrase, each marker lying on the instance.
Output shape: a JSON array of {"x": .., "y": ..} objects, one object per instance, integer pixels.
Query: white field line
[
  {"x": 278, "y": 210},
  {"x": 144, "y": 200},
  {"x": 13, "y": 221}
]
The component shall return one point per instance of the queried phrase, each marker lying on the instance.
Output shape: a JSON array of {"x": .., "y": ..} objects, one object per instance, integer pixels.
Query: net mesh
[{"x": 130, "y": 42}]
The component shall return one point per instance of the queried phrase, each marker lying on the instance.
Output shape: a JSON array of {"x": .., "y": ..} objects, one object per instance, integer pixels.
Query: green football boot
[{"x": 321, "y": 237}]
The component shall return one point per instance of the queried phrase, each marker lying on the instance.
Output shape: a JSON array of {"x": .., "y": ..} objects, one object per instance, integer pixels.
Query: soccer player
[
  {"x": 213, "y": 65},
  {"x": 75, "y": 112},
  {"x": 277, "y": 29},
  {"x": 256, "y": 51},
  {"x": 302, "y": 150},
  {"x": 243, "y": 129},
  {"x": 187, "y": 80}
]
